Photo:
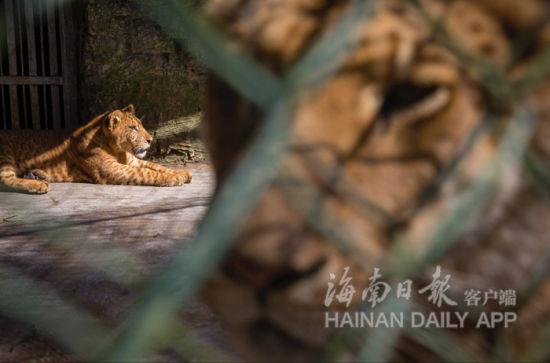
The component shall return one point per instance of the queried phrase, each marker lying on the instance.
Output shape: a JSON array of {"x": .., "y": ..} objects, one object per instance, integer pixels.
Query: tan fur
[{"x": 107, "y": 150}]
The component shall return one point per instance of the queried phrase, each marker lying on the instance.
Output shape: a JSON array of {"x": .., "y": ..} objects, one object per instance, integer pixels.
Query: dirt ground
[{"x": 93, "y": 245}]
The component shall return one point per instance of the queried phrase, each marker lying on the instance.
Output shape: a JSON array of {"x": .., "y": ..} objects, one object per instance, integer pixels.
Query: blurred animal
[
  {"x": 368, "y": 147},
  {"x": 107, "y": 150}
]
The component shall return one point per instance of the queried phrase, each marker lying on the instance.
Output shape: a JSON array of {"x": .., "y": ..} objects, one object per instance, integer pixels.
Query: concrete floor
[{"x": 93, "y": 244}]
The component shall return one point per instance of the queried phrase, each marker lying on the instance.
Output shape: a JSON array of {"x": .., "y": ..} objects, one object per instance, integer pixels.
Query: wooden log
[
  {"x": 176, "y": 127},
  {"x": 176, "y": 141}
]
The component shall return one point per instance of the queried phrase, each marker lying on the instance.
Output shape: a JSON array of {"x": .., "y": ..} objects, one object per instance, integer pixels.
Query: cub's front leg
[
  {"x": 154, "y": 166},
  {"x": 111, "y": 172}
]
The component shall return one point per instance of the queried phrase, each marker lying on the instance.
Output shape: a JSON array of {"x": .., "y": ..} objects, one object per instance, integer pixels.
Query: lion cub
[{"x": 107, "y": 150}]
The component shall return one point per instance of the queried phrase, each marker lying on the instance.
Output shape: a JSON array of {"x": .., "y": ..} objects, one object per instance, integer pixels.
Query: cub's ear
[
  {"x": 113, "y": 120},
  {"x": 130, "y": 108}
]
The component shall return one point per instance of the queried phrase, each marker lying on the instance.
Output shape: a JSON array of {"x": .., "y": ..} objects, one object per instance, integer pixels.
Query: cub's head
[{"x": 126, "y": 132}]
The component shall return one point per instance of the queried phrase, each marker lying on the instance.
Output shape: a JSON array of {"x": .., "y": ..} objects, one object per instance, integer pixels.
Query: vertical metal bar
[
  {"x": 54, "y": 71},
  {"x": 10, "y": 33},
  {"x": 68, "y": 59},
  {"x": 31, "y": 50},
  {"x": 6, "y": 102},
  {"x": 40, "y": 46},
  {"x": 2, "y": 38},
  {"x": 3, "y": 111},
  {"x": 20, "y": 36},
  {"x": 3, "y": 124},
  {"x": 42, "y": 6}
]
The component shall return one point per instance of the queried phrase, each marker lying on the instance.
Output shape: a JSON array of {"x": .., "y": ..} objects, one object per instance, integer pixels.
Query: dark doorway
[{"x": 38, "y": 78}]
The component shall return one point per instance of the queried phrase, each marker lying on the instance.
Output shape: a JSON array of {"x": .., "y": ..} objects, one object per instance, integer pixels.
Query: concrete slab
[{"x": 94, "y": 245}]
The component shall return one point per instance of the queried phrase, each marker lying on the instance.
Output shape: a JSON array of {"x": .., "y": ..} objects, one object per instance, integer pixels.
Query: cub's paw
[
  {"x": 36, "y": 174},
  {"x": 37, "y": 187},
  {"x": 174, "y": 180},
  {"x": 178, "y": 177},
  {"x": 186, "y": 174}
]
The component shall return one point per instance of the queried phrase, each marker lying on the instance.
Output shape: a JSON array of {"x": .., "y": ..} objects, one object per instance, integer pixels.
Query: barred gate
[{"x": 38, "y": 68}]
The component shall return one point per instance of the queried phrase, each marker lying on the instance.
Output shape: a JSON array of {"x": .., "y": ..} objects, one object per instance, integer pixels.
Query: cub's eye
[{"x": 135, "y": 128}]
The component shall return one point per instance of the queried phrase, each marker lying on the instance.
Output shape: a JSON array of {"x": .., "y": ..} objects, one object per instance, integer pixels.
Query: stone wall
[{"x": 125, "y": 59}]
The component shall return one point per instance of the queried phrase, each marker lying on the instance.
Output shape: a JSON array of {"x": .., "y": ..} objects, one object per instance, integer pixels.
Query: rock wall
[{"x": 125, "y": 59}]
